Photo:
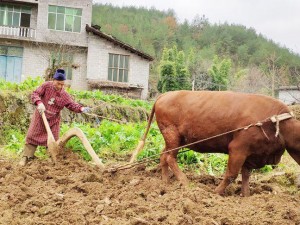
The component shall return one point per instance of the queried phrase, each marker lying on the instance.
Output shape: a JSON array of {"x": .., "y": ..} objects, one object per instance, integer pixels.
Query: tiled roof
[{"x": 118, "y": 42}]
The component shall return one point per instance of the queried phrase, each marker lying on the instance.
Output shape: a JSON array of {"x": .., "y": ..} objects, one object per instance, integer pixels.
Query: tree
[
  {"x": 173, "y": 71},
  {"x": 219, "y": 73},
  {"x": 59, "y": 55}
]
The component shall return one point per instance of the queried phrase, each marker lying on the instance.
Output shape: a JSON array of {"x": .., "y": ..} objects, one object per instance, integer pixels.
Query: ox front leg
[
  {"x": 245, "y": 181},
  {"x": 235, "y": 162}
]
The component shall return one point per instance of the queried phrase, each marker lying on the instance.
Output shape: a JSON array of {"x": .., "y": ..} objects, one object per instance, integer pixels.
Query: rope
[
  {"x": 149, "y": 159},
  {"x": 283, "y": 116},
  {"x": 103, "y": 102},
  {"x": 103, "y": 117}
]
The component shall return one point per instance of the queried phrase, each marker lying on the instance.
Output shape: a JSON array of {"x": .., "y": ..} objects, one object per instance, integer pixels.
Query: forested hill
[{"x": 151, "y": 30}]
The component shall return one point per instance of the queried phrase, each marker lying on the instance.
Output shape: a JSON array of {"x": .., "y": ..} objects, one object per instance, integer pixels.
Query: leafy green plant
[
  {"x": 26, "y": 85},
  {"x": 114, "y": 99},
  {"x": 266, "y": 169},
  {"x": 15, "y": 141}
]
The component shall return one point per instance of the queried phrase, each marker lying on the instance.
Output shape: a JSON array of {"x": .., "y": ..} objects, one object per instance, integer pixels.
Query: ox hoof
[
  {"x": 297, "y": 182},
  {"x": 184, "y": 183},
  {"x": 166, "y": 180},
  {"x": 245, "y": 193},
  {"x": 219, "y": 191}
]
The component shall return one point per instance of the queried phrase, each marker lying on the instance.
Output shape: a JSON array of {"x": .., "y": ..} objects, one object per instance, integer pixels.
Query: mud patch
[{"x": 74, "y": 192}]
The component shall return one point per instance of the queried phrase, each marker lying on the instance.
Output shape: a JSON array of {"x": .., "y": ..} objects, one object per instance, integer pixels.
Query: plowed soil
[{"x": 75, "y": 192}]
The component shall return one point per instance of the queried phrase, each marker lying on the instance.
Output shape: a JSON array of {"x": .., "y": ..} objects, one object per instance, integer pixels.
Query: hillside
[{"x": 251, "y": 54}]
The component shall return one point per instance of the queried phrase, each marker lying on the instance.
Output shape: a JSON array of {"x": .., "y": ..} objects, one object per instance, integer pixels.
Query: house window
[
  {"x": 64, "y": 18},
  {"x": 15, "y": 16},
  {"x": 118, "y": 67},
  {"x": 64, "y": 61}
]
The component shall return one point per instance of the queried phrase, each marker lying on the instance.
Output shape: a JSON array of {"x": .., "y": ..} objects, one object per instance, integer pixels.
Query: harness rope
[
  {"x": 273, "y": 119},
  {"x": 103, "y": 117}
]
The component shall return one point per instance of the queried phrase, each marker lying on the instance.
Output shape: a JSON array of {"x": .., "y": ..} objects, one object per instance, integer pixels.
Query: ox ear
[{"x": 137, "y": 150}]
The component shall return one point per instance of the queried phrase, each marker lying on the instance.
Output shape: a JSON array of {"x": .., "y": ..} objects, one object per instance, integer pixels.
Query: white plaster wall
[
  {"x": 97, "y": 61},
  {"x": 70, "y": 38},
  {"x": 79, "y": 81},
  {"x": 289, "y": 96},
  {"x": 35, "y": 61}
]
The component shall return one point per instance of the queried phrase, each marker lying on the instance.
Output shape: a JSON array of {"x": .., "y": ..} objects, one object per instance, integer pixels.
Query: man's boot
[
  {"x": 23, "y": 161},
  {"x": 28, "y": 154}
]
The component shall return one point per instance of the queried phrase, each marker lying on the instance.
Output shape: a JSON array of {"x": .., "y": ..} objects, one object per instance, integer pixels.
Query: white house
[
  {"x": 289, "y": 94},
  {"x": 38, "y": 34}
]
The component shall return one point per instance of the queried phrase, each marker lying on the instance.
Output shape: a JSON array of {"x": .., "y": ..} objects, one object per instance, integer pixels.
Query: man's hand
[
  {"x": 85, "y": 109},
  {"x": 41, "y": 108}
]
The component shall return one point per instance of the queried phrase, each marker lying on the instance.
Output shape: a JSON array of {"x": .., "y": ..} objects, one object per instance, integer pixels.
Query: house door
[
  {"x": 2, "y": 67},
  {"x": 11, "y": 63}
]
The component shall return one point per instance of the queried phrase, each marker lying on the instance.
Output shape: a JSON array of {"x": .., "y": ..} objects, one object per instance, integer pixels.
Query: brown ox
[{"x": 184, "y": 117}]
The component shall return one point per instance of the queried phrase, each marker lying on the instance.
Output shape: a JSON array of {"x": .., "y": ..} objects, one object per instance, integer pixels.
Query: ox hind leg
[
  {"x": 296, "y": 156},
  {"x": 168, "y": 159},
  {"x": 236, "y": 160},
  {"x": 245, "y": 181}
]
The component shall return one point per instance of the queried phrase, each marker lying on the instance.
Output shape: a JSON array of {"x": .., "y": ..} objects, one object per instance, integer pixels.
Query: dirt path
[{"x": 74, "y": 192}]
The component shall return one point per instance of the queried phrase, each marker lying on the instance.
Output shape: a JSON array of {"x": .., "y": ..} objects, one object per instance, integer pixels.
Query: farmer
[{"x": 50, "y": 98}]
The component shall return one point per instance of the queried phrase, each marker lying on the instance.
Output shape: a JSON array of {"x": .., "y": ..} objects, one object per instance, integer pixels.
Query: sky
[{"x": 278, "y": 20}]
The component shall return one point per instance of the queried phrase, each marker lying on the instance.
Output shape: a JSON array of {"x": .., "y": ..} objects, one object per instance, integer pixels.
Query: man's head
[{"x": 59, "y": 79}]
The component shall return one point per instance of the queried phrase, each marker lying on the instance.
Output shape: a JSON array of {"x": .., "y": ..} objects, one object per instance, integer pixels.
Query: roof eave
[{"x": 118, "y": 42}]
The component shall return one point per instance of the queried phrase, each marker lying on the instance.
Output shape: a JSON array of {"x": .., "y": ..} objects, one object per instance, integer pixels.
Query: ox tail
[{"x": 142, "y": 141}]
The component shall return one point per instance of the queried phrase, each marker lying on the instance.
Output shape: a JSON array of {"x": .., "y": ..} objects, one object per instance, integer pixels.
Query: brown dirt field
[{"x": 74, "y": 192}]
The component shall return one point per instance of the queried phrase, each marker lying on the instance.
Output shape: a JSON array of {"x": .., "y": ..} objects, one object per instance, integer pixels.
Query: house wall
[
  {"x": 36, "y": 61},
  {"x": 289, "y": 96},
  {"x": 93, "y": 63},
  {"x": 34, "y": 16},
  {"x": 97, "y": 61},
  {"x": 79, "y": 75},
  {"x": 70, "y": 38}
]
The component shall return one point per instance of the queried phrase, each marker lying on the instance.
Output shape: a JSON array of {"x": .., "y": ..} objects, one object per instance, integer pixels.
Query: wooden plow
[{"x": 54, "y": 147}]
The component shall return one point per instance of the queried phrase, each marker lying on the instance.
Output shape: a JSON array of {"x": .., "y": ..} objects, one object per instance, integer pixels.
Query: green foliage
[
  {"x": 115, "y": 99},
  {"x": 151, "y": 31},
  {"x": 31, "y": 84},
  {"x": 213, "y": 163},
  {"x": 15, "y": 140},
  {"x": 174, "y": 73},
  {"x": 266, "y": 169},
  {"x": 219, "y": 73},
  {"x": 26, "y": 85},
  {"x": 111, "y": 139}
]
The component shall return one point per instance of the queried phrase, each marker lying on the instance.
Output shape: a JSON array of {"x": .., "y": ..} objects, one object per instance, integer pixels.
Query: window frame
[
  {"x": 65, "y": 13},
  {"x": 118, "y": 71},
  {"x": 14, "y": 11}
]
